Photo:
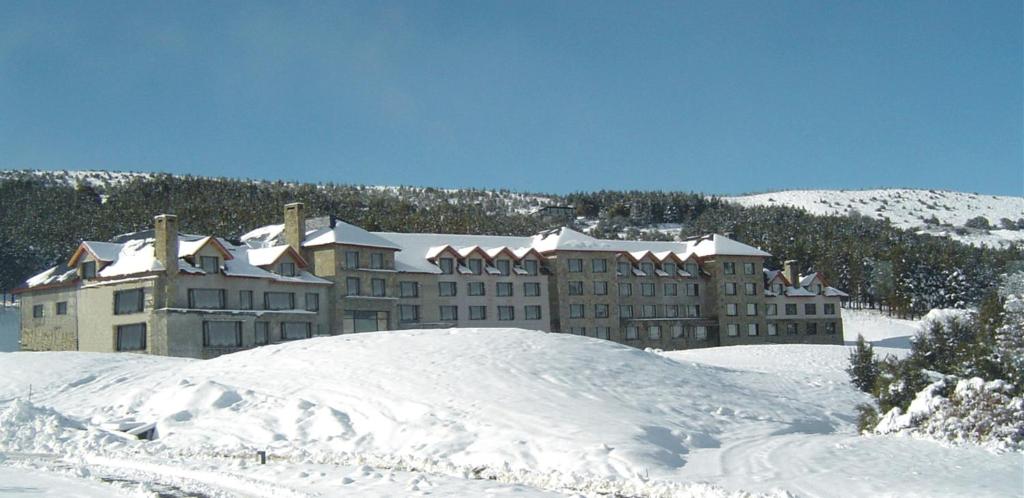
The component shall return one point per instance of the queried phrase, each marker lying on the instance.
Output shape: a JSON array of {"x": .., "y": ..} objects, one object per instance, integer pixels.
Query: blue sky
[{"x": 552, "y": 96}]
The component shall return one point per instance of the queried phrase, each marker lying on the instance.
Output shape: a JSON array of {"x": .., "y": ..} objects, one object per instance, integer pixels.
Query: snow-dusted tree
[{"x": 863, "y": 367}]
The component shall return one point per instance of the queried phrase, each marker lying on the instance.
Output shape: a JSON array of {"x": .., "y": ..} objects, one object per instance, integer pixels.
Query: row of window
[
  {"x": 503, "y": 289},
  {"x": 749, "y": 289},
  {"x": 216, "y": 299},
  {"x": 477, "y": 266},
  {"x": 228, "y": 334},
  {"x": 352, "y": 260},
  {"x": 646, "y": 289},
  {"x": 354, "y": 287},
  {"x": 772, "y": 309},
  {"x": 60, "y": 308},
  {"x": 772, "y": 329},
  {"x": 653, "y": 332},
  {"x": 729, "y": 268},
  {"x": 410, "y": 313},
  {"x": 646, "y": 311},
  {"x": 625, "y": 268}
]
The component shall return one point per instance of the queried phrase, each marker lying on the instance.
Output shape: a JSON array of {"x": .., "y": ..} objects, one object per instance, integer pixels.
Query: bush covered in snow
[{"x": 960, "y": 383}]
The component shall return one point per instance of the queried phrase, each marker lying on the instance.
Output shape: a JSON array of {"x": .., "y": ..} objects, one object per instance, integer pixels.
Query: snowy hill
[
  {"x": 399, "y": 412},
  {"x": 908, "y": 208}
]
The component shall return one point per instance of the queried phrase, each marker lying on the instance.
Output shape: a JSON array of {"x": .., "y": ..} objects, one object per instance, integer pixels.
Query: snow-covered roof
[
  {"x": 806, "y": 280},
  {"x": 799, "y": 292},
  {"x": 55, "y": 275},
  {"x": 833, "y": 292},
  {"x": 345, "y": 233},
  {"x": 264, "y": 256}
]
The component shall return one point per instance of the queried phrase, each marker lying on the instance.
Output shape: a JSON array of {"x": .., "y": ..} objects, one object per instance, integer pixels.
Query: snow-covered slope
[
  {"x": 547, "y": 411},
  {"x": 908, "y": 208}
]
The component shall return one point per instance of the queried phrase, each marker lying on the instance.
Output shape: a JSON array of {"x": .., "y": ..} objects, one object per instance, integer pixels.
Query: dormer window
[
  {"x": 89, "y": 269},
  {"x": 777, "y": 288},
  {"x": 669, "y": 268},
  {"x": 624, "y": 268},
  {"x": 287, "y": 269},
  {"x": 504, "y": 266},
  {"x": 692, "y": 269},
  {"x": 209, "y": 264},
  {"x": 647, "y": 268},
  {"x": 531, "y": 267},
  {"x": 476, "y": 265},
  {"x": 447, "y": 265},
  {"x": 817, "y": 289}
]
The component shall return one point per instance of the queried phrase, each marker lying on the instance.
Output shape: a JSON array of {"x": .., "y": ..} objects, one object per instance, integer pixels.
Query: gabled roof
[
  {"x": 267, "y": 256},
  {"x": 808, "y": 279},
  {"x": 189, "y": 248},
  {"x": 100, "y": 251},
  {"x": 340, "y": 232},
  {"x": 465, "y": 252},
  {"x": 720, "y": 245},
  {"x": 494, "y": 252}
]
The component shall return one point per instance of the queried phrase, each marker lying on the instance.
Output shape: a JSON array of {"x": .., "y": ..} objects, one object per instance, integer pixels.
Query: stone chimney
[
  {"x": 294, "y": 225},
  {"x": 792, "y": 272},
  {"x": 166, "y": 248}
]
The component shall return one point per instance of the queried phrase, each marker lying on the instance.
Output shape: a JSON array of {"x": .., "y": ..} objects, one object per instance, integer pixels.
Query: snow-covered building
[{"x": 205, "y": 296}]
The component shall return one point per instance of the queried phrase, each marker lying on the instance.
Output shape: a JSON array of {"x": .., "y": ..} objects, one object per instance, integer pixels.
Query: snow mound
[{"x": 27, "y": 428}]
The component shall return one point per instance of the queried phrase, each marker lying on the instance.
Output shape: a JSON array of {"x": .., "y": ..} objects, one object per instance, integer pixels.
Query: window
[
  {"x": 771, "y": 309},
  {"x": 531, "y": 289},
  {"x": 647, "y": 289},
  {"x": 222, "y": 334},
  {"x": 352, "y": 259},
  {"x": 647, "y": 268},
  {"x": 626, "y": 311},
  {"x": 669, "y": 268},
  {"x": 600, "y": 311},
  {"x": 749, "y": 289},
  {"x": 291, "y": 331},
  {"x": 599, "y": 265},
  {"x": 830, "y": 327},
  {"x": 773, "y": 329},
  {"x": 446, "y": 289},
  {"x": 752, "y": 329},
  {"x": 700, "y": 333},
  {"x": 409, "y": 289},
  {"x": 209, "y": 264},
  {"x": 37, "y": 311},
  {"x": 449, "y": 313},
  {"x": 532, "y": 312},
  {"x": 578, "y": 330},
  {"x": 812, "y": 328},
  {"x": 476, "y": 265},
  {"x": 352, "y": 284},
  {"x": 830, "y": 308},
  {"x": 476, "y": 289},
  {"x": 575, "y": 288},
  {"x": 777, "y": 288},
  {"x": 730, "y": 309},
  {"x": 791, "y": 329},
  {"x": 810, "y": 309},
  {"x": 377, "y": 260},
  {"x": 790, "y": 309},
  {"x": 62, "y": 308},
  {"x": 576, "y": 311},
  {"x": 365, "y": 321},
  {"x": 654, "y": 332},
  {"x": 817, "y": 288},
  {"x": 600, "y": 288},
  {"x": 131, "y": 301},
  {"x": 751, "y": 309},
  {"x": 602, "y": 332},
  {"x": 262, "y": 333},
  {"x": 312, "y": 301},
  {"x": 477, "y": 312},
  {"x": 531, "y": 266},
  {"x": 632, "y": 333},
  {"x": 89, "y": 269},
  {"x": 624, "y": 268},
  {"x": 692, "y": 268},
  {"x": 379, "y": 287},
  {"x": 504, "y": 266},
  {"x": 287, "y": 269},
  {"x": 730, "y": 288},
  {"x": 729, "y": 268},
  {"x": 625, "y": 289},
  {"x": 650, "y": 310},
  {"x": 733, "y": 330},
  {"x": 245, "y": 299},
  {"x": 677, "y": 332},
  {"x": 447, "y": 265},
  {"x": 504, "y": 289},
  {"x": 671, "y": 311},
  {"x": 278, "y": 300},
  {"x": 748, "y": 268},
  {"x": 131, "y": 337},
  {"x": 693, "y": 311},
  {"x": 575, "y": 265},
  {"x": 204, "y": 299},
  {"x": 506, "y": 313},
  {"x": 408, "y": 313},
  {"x": 692, "y": 289},
  {"x": 671, "y": 289}
]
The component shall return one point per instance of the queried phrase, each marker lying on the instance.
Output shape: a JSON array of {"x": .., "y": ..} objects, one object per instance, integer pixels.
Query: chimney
[
  {"x": 792, "y": 272},
  {"x": 166, "y": 249},
  {"x": 294, "y": 225}
]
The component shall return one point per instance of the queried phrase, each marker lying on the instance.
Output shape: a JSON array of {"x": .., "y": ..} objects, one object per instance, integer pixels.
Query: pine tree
[{"x": 863, "y": 367}]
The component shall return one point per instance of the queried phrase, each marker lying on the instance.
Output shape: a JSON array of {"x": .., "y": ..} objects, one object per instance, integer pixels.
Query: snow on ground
[
  {"x": 907, "y": 208},
  {"x": 10, "y": 328},
  {"x": 447, "y": 411}
]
